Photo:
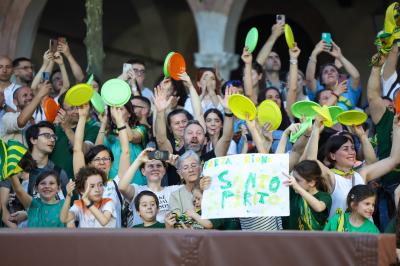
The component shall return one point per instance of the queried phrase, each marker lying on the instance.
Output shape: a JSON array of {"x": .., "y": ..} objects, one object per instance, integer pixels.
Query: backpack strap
[{"x": 119, "y": 194}]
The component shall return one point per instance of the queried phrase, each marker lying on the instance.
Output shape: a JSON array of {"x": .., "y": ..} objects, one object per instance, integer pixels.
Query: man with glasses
[
  {"x": 41, "y": 140},
  {"x": 13, "y": 124},
  {"x": 141, "y": 108},
  {"x": 135, "y": 76},
  {"x": 66, "y": 122},
  {"x": 23, "y": 71}
]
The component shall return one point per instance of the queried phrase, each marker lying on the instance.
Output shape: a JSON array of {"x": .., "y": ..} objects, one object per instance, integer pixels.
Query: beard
[{"x": 193, "y": 147}]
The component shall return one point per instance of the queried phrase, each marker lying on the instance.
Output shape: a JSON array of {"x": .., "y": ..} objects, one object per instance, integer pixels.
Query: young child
[
  {"x": 360, "y": 207},
  {"x": 147, "y": 206},
  {"x": 91, "y": 211},
  {"x": 43, "y": 211},
  {"x": 309, "y": 201},
  {"x": 196, "y": 214}
]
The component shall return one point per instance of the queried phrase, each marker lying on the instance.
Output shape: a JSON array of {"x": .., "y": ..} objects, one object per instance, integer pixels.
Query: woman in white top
[
  {"x": 153, "y": 170},
  {"x": 340, "y": 157}
]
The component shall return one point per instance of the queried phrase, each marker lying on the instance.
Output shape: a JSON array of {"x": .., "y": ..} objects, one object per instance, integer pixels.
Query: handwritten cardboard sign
[{"x": 246, "y": 185}]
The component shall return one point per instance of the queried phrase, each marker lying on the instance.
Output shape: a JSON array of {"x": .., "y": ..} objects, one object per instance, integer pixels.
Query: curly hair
[{"x": 84, "y": 173}]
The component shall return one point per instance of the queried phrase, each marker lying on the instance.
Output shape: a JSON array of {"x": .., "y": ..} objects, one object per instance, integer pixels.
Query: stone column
[{"x": 216, "y": 23}]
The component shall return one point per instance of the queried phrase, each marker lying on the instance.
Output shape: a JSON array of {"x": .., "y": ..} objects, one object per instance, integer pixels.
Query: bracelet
[
  {"x": 293, "y": 61},
  {"x": 121, "y": 128},
  {"x": 228, "y": 114},
  {"x": 312, "y": 60},
  {"x": 307, "y": 136},
  {"x": 90, "y": 204},
  {"x": 334, "y": 94}
]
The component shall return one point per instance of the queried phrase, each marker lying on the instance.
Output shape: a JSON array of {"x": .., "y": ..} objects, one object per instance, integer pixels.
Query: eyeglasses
[
  {"x": 192, "y": 166},
  {"x": 104, "y": 159},
  {"x": 139, "y": 71},
  {"x": 49, "y": 136}
]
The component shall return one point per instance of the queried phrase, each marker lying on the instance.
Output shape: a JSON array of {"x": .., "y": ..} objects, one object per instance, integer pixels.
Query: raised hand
[
  {"x": 186, "y": 79},
  {"x": 247, "y": 57},
  {"x": 340, "y": 87},
  {"x": 294, "y": 52},
  {"x": 63, "y": 47},
  {"x": 320, "y": 47},
  {"x": 117, "y": 114},
  {"x": 160, "y": 99},
  {"x": 143, "y": 157},
  {"x": 229, "y": 91},
  {"x": 44, "y": 88},
  {"x": 277, "y": 29},
  {"x": 84, "y": 110},
  {"x": 58, "y": 58},
  {"x": 47, "y": 57},
  {"x": 70, "y": 188},
  {"x": 336, "y": 51}
]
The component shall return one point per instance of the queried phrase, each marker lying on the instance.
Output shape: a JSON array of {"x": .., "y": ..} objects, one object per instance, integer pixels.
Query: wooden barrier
[{"x": 188, "y": 247}]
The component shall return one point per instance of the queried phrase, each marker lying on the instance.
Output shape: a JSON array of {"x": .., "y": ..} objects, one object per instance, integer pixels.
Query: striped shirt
[{"x": 268, "y": 223}]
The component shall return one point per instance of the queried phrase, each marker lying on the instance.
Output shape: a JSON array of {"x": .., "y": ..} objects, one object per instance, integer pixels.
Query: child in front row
[
  {"x": 309, "y": 200},
  {"x": 147, "y": 205},
  {"x": 360, "y": 207},
  {"x": 92, "y": 210}
]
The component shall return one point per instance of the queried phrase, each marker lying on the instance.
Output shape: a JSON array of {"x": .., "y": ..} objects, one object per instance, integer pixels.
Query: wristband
[
  {"x": 228, "y": 114},
  {"x": 90, "y": 204},
  {"x": 334, "y": 94},
  {"x": 121, "y": 128},
  {"x": 293, "y": 61}
]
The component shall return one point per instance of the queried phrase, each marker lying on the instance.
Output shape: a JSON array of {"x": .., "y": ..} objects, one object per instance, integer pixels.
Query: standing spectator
[{"x": 23, "y": 71}]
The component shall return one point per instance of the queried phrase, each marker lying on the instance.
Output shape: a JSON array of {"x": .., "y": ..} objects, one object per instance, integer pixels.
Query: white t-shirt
[
  {"x": 387, "y": 84},
  {"x": 9, "y": 95},
  {"x": 86, "y": 218},
  {"x": 163, "y": 198},
  {"x": 340, "y": 191},
  {"x": 205, "y": 104},
  {"x": 146, "y": 92},
  {"x": 110, "y": 191}
]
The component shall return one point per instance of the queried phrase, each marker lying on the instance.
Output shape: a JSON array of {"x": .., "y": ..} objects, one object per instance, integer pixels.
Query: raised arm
[
  {"x": 285, "y": 135},
  {"x": 194, "y": 98},
  {"x": 103, "y": 217},
  {"x": 102, "y": 131},
  {"x": 368, "y": 150},
  {"x": 76, "y": 69},
  {"x": 161, "y": 103},
  {"x": 124, "y": 159},
  {"x": 47, "y": 57},
  {"x": 26, "y": 114},
  {"x": 391, "y": 62},
  {"x": 124, "y": 185},
  {"x": 350, "y": 68},
  {"x": 293, "y": 73},
  {"x": 79, "y": 157},
  {"x": 65, "y": 215},
  {"x": 386, "y": 165},
  {"x": 276, "y": 31},
  {"x": 376, "y": 104},
  {"x": 60, "y": 62},
  {"x": 222, "y": 146},
  {"x": 312, "y": 64},
  {"x": 311, "y": 152},
  {"x": 247, "y": 59},
  {"x": 22, "y": 195},
  {"x": 315, "y": 204},
  {"x": 263, "y": 145}
]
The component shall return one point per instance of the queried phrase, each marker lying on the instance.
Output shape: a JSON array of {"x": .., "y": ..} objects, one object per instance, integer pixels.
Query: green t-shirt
[
  {"x": 366, "y": 227},
  {"x": 384, "y": 138},
  {"x": 303, "y": 217},
  {"x": 62, "y": 153},
  {"x": 112, "y": 142},
  {"x": 391, "y": 226},
  {"x": 156, "y": 225},
  {"x": 41, "y": 214}
]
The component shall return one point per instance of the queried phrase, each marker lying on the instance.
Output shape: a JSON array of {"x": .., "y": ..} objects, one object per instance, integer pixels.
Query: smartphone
[
  {"x": 46, "y": 76},
  {"x": 280, "y": 18},
  {"x": 53, "y": 45},
  {"x": 326, "y": 36},
  {"x": 159, "y": 155},
  {"x": 126, "y": 67}
]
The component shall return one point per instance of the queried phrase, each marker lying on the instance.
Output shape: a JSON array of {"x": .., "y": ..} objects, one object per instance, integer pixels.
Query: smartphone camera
[
  {"x": 45, "y": 76},
  {"x": 280, "y": 18},
  {"x": 159, "y": 155}
]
